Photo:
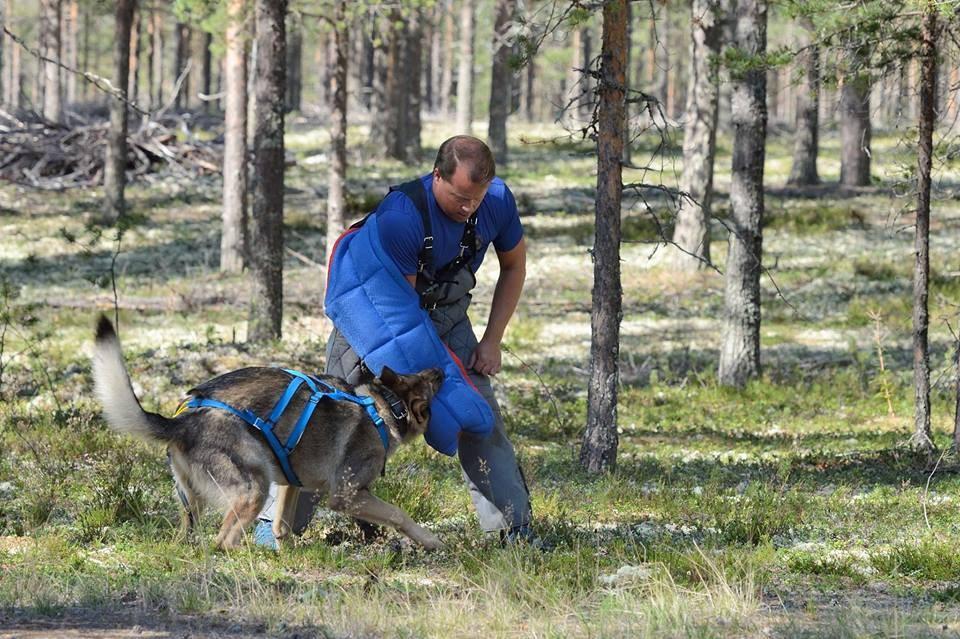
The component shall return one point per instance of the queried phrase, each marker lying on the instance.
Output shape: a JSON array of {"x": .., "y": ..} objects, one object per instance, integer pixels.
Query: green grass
[{"x": 790, "y": 508}]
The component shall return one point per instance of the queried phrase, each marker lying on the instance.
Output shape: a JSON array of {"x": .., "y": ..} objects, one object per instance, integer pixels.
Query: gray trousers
[{"x": 496, "y": 482}]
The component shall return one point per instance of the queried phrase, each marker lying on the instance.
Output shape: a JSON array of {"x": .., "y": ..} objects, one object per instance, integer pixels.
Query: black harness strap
[{"x": 428, "y": 278}]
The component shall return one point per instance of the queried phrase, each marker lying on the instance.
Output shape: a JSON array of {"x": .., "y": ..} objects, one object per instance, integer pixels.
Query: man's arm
[{"x": 486, "y": 359}]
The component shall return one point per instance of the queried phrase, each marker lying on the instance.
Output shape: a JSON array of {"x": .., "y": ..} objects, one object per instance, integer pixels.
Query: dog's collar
[{"x": 397, "y": 407}]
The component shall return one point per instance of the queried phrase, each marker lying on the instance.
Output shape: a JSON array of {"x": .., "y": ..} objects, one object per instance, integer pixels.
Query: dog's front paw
[{"x": 429, "y": 541}]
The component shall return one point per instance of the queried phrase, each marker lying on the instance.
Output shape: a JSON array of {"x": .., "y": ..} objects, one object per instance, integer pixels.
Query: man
[{"x": 466, "y": 209}]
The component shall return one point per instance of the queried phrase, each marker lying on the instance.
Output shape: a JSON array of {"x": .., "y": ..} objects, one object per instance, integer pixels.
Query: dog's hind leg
[
  {"x": 286, "y": 511},
  {"x": 185, "y": 493},
  {"x": 370, "y": 508},
  {"x": 240, "y": 514}
]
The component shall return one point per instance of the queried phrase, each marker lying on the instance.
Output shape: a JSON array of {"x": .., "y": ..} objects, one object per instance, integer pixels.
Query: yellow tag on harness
[{"x": 181, "y": 408}]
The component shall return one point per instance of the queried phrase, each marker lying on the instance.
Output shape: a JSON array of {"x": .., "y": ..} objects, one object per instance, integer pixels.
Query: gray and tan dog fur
[{"x": 218, "y": 460}]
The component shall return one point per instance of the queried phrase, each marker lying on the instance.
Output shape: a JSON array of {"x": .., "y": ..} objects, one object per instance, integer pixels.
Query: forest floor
[{"x": 794, "y": 507}]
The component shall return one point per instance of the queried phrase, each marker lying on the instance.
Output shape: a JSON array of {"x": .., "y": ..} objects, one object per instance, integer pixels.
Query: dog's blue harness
[{"x": 318, "y": 390}]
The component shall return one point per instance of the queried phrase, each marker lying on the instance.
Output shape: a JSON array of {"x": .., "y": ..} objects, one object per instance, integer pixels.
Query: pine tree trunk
[
  {"x": 465, "y": 75},
  {"x": 501, "y": 83},
  {"x": 14, "y": 80},
  {"x": 402, "y": 112},
  {"x": 206, "y": 70},
  {"x": 50, "y": 48},
  {"x": 667, "y": 91},
  {"x": 446, "y": 79},
  {"x": 156, "y": 59},
  {"x": 855, "y": 130},
  {"x": 740, "y": 348},
  {"x": 134, "y": 64},
  {"x": 379, "y": 103},
  {"x": 599, "y": 450},
  {"x": 922, "y": 435},
  {"x": 437, "y": 59},
  {"x": 586, "y": 82},
  {"x": 4, "y": 82},
  {"x": 804, "y": 169},
  {"x": 294, "y": 63},
  {"x": 692, "y": 231},
  {"x": 369, "y": 62},
  {"x": 114, "y": 172},
  {"x": 71, "y": 34},
  {"x": 572, "y": 82},
  {"x": 233, "y": 248},
  {"x": 181, "y": 39},
  {"x": 336, "y": 201},
  {"x": 266, "y": 261},
  {"x": 529, "y": 93}
]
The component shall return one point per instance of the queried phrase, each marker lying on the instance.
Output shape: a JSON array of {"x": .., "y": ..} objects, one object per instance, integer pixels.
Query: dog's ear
[
  {"x": 420, "y": 408},
  {"x": 388, "y": 377}
]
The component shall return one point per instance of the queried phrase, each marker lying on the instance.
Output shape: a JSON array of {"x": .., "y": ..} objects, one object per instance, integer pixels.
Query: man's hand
[{"x": 486, "y": 358}]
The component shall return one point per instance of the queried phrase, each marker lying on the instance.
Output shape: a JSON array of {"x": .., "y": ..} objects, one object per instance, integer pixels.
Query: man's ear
[{"x": 388, "y": 377}]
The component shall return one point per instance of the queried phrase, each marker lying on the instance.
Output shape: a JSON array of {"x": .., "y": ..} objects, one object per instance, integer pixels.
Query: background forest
[{"x": 732, "y": 379}]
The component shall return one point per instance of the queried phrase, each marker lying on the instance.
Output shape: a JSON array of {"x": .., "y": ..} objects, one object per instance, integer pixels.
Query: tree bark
[
  {"x": 369, "y": 61},
  {"x": 206, "y": 70},
  {"x": 691, "y": 235},
  {"x": 71, "y": 34},
  {"x": 294, "y": 64},
  {"x": 465, "y": 75},
  {"x": 156, "y": 58},
  {"x": 740, "y": 348},
  {"x": 929, "y": 29},
  {"x": 336, "y": 201},
  {"x": 181, "y": 39},
  {"x": 855, "y": 130},
  {"x": 266, "y": 240},
  {"x": 402, "y": 108},
  {"x": 134, "y": 66},
  {"x": 114, "y": 172},
  {"x": 804, "y": 169},
  {"x": 437, "y": 58},
  {"x": 586, "y": 82},
  {"x": 446, "y": 78},
  {"x": 500, "y": 92},
  {"x": 233, "y": 244},
  {"x": 50, "y": 48},
  {"x": 4, "y": 83},
  {"x": 598, "y": 452}
]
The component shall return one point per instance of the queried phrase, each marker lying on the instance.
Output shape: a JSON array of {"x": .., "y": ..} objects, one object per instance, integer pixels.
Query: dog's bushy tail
[{"x": 121, "y": 408}]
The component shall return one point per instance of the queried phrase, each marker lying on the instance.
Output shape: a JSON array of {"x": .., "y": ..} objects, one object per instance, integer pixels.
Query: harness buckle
[{"x": 428, "y": 242}]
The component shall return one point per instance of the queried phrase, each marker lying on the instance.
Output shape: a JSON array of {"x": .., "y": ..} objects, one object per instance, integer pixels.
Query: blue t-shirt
[{"x": 401, "y": 229}]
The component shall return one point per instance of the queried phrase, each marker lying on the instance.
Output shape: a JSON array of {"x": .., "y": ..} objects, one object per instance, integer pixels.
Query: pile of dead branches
[{"x": 46, "y": 155}]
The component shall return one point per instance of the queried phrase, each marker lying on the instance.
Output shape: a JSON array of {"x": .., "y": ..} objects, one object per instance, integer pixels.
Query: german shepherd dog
[{"x": 218, "y": 459}]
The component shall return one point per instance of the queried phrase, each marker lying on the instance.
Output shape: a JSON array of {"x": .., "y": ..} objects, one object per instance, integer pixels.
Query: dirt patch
[{"x": 110, "y": 624}]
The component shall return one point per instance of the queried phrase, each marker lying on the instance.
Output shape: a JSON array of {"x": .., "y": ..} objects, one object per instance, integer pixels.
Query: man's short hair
[{"x": 469, "y": 151}]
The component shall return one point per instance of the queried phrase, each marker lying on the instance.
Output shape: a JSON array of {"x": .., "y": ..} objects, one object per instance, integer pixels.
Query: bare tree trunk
[
  {"x": 804, "y": 169},
  {"x": 437, "y": 59},
  {"x": 599, "y": 450},
  {"x": 572, "y": 82},
  {"x": 379, "y": 102},
  {"x": 114, "y": 171},
  {"x": 266, "y": 294},
  {"x": 692, "y": 231},
  {"x": 14, "y": 80},
  {"x": 294, "y": 63},
  {"x": 465, "y": 75},
  {"x": 71, "y": 34},
  {"x": 586, "y": 82},
  {"x": 740, "y": 348},
  {"x": 336, "y": 202},
  {"x": 855, "y": 130},
  {"x": 181, "y": 39},
  {"x": 206, "y": 70},
  {"x": 156, "y": 58},
  {"x": 529, "y": 93},
  {"x": 4, "y": 82},
  {"x": 929, "y": 30},
  {"x": 134, "y": 65},
  {"x": 499, "y": 93},
  {"x": 446, "y": 78},
  {"x": 233, "y": 245},
  {"x": 667, "y": 92},
  {"x": 369, "y": 62},
  {"x": 402, "y": 112},
  {"x": 50, "y": 48}
]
